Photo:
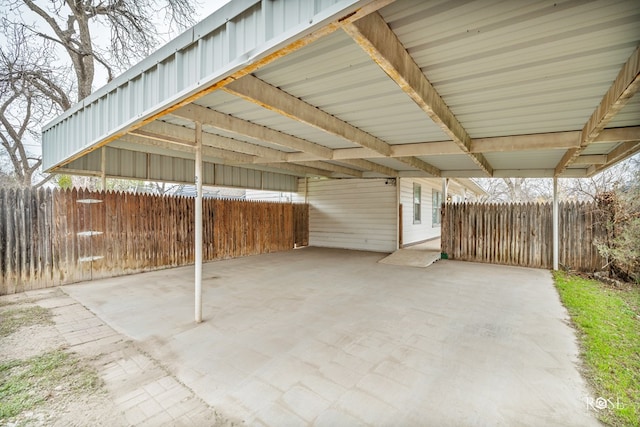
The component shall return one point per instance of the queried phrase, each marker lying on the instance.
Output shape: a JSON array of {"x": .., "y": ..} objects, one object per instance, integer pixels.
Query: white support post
[
  {"x": 445, "y": 189},
  {"x": 398, "y": 218},
  {"x": 556, "y": 245},
  {"x": 306, "y": 190},
  {"x": 198, "y": 224},
  {"x": 103, "y": 169}
]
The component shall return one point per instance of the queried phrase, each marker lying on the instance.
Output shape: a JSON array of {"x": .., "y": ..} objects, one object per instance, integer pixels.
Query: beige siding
[{"x": 352, "y": 214}]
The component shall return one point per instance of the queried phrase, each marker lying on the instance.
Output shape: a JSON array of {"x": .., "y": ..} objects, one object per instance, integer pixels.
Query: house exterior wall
[
  {"x": 356, "y": 214},
  {"x": 413, "y": 232}
]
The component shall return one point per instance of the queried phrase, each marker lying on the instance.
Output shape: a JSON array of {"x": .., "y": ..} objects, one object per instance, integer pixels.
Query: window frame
[
  {"x": 436, "y": 203},
  {"x": 417, "y": 203}
]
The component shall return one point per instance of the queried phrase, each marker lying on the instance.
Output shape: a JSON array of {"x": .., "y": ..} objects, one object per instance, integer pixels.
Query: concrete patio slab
[{"x": 332, "y": 337}]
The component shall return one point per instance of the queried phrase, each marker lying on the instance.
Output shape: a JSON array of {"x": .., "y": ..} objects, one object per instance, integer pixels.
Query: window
[
  {"x": 417, "y": 202},
  {"x": 436, "y": 202}
]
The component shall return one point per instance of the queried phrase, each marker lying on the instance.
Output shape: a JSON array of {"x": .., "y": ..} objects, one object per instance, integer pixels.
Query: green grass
[
  {"x": 15, "y": 318},
  {"x": 608, "y": 323},
  {"x": 25, "y": 384}
]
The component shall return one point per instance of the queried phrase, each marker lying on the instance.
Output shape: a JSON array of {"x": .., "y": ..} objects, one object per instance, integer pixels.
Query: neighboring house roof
[
  {"x": 213, "y": 192},
  {"x": 369, "y": 88},
  {"x": 471, "y": 185}
]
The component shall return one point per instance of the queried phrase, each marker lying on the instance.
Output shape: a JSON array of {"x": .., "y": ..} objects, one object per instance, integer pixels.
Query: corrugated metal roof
[
  {"x": 502, "y": 69},
  {"x": 525, "y": 159},
  {"x": 600, "y": 148},
  {"x": 261, "y": 116},
  {"x": 452, "y": 162},
  {"x": 361, "y": 93}
]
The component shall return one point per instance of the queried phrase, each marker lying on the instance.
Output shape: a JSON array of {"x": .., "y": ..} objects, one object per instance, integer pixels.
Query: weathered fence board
[
  {"x": 52, "y": 237},
  {"x": 522, "y": 234}
]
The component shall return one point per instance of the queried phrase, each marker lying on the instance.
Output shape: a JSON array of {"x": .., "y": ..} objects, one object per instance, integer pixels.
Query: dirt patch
[
  {"x": 61, "y": 365},
  {"x": 41, "y": 382},
  {"x": 29, "y": 341}
]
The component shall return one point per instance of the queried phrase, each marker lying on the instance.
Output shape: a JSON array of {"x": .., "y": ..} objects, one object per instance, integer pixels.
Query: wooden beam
[
  {"x": 215, "y": 155},
  {"x": 595, "y": 159},
  {"x": 333, "y": 168},
  {"x": 631, "y": 133},
  {"x": 299, "y": 169},
  {"x": 421, "y": 165},
  {"x": 621, "y": 91},
  {"x": 575, "y": 173},
  {"x": 376, "y": 38},
  {"x": 171, "y": 134},
  {"x": 541, "y": 141},
  {"x": 180, "y": 134},
  {"x": 371, "y": 166},
  {"x": 621, "y": 152},
  {"x": 248, "y": 129},
  {"x": 356, "y": 153},
  {"x": 426, "y": 149},
  {"x": 523, "y": 173},
  {"x": 261, "y": 93},
  {"x": 229, "y": 157}
]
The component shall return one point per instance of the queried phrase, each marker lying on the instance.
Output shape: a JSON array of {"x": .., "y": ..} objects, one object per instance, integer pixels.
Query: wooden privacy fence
[
  {"x": 522, "y": 234},
  {"x": 51, "y": 237}
]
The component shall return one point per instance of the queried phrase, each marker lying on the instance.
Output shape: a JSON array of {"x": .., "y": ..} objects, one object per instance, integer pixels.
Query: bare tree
[
  {"x": 514, "y": 190},
  {"x": 621, "y": 175},
  {"x": 50, "y": 52},
  {"x": 31, "y": 91},
  {"x": 133, "y": 31}
]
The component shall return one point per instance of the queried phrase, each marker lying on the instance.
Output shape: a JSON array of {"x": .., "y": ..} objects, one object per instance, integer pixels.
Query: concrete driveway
[{"x": 331, "y": 337}]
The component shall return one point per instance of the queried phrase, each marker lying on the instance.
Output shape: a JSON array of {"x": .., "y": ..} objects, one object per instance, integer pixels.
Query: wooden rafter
[
  {"x": 530, "y": 142},
  {"x": 248, "y": 129},
  {"x": 333, "y": 168},
  {"x": 171, "y": 143},
  {"x": 179, "y": 137},
  {"x": 300, "y": 170},
  {"x": 371, "y": 166},
  {"x": 181, "y": 134},
  {"x": 213, "y": 154},
  {"x": 619, "y": 153},
  {"x": 621, "y": 91},
  {"x": 261, "y": 93},
  {"x": 376, "y": 38}
]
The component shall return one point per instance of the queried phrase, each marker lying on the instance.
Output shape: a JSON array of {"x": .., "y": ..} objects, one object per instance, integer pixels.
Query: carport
[
  {"x": 263, "y": 93},
  {"x": 331, "y": 337}
]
